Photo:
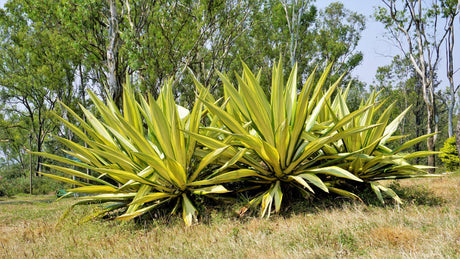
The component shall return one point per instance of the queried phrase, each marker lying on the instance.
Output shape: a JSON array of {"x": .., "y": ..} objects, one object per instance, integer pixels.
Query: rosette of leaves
[
  {"x": 278, "y": 137},
  {"x": 368, "y": 155},
  {"x": 141, "y": 157}
]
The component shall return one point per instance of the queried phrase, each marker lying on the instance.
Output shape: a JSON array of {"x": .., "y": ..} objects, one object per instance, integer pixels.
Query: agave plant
[
  {"x": 279, "y": 137},
  {"x": 143, "y": 155},
  {"x": 371, "y": 158}
]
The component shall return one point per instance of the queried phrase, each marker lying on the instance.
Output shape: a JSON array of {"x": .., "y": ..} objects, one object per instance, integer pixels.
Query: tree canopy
[{"x": 53, "y": 51}]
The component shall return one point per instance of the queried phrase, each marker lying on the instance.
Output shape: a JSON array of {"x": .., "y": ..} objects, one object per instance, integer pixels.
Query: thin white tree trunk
[{"x": 112, "y": 54}]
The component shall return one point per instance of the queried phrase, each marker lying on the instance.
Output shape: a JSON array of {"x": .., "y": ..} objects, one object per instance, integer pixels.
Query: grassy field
[{"x": 426, "y": 226}]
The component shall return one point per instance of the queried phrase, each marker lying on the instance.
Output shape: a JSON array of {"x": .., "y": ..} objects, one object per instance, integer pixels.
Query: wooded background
[{"x": 54, "y": 51}]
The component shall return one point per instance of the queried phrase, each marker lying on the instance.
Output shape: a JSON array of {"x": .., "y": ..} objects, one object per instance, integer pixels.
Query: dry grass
[{"x": 428, "y": 226}]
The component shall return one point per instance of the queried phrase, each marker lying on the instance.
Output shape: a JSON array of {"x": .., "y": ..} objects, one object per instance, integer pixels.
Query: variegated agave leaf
[
  {"x": 143, "y": 156},
  {"x": 371, "y": 158},
  {"x": 280, "y": 135}
]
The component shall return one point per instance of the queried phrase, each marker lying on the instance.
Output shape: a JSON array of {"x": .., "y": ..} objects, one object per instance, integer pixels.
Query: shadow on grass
[
  {"x": 416, "y": 195},
  {"x": 213, "y": 211}
]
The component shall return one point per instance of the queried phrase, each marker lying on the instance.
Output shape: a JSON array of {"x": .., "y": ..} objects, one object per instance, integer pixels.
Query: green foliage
[
  {"x": 280, "y": 134},
  {"x": 8, "y": 188},
  {"x": 35, "y": 72},
  {"x": 143, "y": 156},
  {"x": 19, "y": 185},
  {"x": 449, "y": 155},
  {"x": 155, "y": 154},
  {"x": 370, "y": 157},
  {"x": 55, "y": 50}
]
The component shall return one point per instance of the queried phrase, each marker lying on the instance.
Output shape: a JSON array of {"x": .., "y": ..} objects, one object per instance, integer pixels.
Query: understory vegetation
[
  {"x": 449, "y": 155},
  {"x": 267, "y": 149},
  {"x": 10, "y": 187}
]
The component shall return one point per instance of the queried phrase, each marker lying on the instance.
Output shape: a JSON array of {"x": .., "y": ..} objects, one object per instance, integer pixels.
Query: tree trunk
[
  {"x": 293, "y": 39},
  {"x": 112, "y": 55},
  {"x": 38, "y": 167},
  {"x": 83, "y": 102},
  {"x": 450, "y": 110},
  {"x": 30, "y": 165},
  {"x": 430, "y": 142},
  {"x": 450, "y": 76},
  {"x": 457, "y": 139},
  {"x": 293, "y": 23}
]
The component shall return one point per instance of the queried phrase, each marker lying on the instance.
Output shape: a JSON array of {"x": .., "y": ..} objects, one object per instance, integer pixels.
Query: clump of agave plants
[{"x": 155, "y": 154}]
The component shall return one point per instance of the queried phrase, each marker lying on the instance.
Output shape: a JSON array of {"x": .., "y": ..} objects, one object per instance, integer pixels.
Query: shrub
[
  {"x": 154, "y": 153},
  {"x": 280, "y": 135},
  {"x": 449, "y": 154},
  {"x": 143, "y": 155},
  {"x": 6, "y": 188},
  {"x": 368, "y": 155},
  {"x": 40, "y": 185},
  {"x": 45, "y": 185}
]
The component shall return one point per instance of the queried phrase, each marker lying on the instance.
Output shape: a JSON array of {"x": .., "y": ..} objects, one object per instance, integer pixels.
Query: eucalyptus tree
[
  {"x": 153, "y": 40},
  {"x": 156, "y": 40},
  {"x": 413, "y": 25},
  {"x": 56, "y": 49},
  {"x": 177, "y": 36},
  {"x": 400, "y": 83},
  {"x": 293, "y": 11},
  {"x": 449, "y": 11},
  {"x": 300, "y": 32}
]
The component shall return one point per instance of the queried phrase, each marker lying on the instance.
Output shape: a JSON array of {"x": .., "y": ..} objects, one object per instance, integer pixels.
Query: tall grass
[{"x": 420, "y": 228}]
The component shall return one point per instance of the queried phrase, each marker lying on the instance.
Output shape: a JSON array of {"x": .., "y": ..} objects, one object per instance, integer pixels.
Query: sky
[{"x": 377, "y": 50}]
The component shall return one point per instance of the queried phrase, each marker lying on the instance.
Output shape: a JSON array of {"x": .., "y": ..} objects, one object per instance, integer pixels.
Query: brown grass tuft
[
  {"x": 31, "y": 233},
  {"x": 395, "y": 236}
]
